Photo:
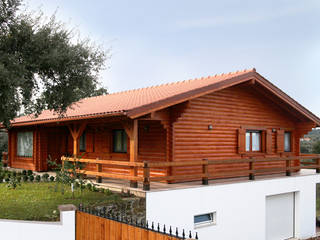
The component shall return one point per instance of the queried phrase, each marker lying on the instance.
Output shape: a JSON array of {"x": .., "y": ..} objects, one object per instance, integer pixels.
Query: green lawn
[{"x": 39, "y": 201}]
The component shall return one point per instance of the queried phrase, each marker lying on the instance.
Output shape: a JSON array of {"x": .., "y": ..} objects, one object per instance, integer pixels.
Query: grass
[{"x": 39, "y": 201}]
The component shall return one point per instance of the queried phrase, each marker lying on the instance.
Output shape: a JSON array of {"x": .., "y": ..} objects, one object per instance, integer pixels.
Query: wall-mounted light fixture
[
  {"x": 274, "y": 130},
  {"x": 146, "y": 128},
  {"x": 210, "y": 127}
]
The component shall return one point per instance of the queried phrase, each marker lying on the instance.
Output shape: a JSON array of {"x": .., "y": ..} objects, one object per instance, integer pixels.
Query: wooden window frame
[
  {"x": 113, "y": 141},
  {"x": 16, "y": 143},
  {"x": 260, "y": 142}
]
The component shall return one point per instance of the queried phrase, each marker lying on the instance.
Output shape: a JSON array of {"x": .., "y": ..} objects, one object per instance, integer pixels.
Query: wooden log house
[{"x": 239, "y": 115}]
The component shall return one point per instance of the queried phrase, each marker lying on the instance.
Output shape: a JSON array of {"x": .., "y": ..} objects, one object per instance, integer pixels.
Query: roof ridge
[{"x": 182, "y": 81}]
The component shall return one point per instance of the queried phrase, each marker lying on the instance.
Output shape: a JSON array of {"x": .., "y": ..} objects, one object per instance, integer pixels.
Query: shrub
[
  {"x": 24, "y": 172},
  {"x": 14, "y": 173},
  {"x": 45, "y": 177},
  {"x": 13, "y": 183},
  {"x": 51, "y": 178},
  {"x": 31, "y": 178},
  {"x": 107, "y": 191},
  {"x": 89, "y": 186},
  {"x": 24, "y": 178},
  {"x": 7, "y": 179},
  {"x": 9, "y": 175},
  {"x": 19, "y": 179},
  {"x": 76, "y": 185},
  {"x": 38, "y": 178},
  {"x": 29, "y": 172}
]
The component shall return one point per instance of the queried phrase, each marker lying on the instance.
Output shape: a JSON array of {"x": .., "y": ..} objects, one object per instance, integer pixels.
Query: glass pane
[
  {"x": 287, "y": 142},
  {"x": 25, "y": 144},
  {"x": 124, "y": 141},
  {"x": 82, "y": 144},
  {"x": 256, "y": 141},
  {"x": 203, "y": 218},
  {"x": 117, "y": 141},
  {"x": 248, "y": 141}
]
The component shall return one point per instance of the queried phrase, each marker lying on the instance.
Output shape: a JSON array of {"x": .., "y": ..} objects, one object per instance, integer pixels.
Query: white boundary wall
[
  {"x": 17, "y": 230},
  {"x": 240, "y": 207}
]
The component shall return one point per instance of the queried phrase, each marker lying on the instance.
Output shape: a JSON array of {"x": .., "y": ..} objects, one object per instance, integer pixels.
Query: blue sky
[{"x": 154, "y": 42}]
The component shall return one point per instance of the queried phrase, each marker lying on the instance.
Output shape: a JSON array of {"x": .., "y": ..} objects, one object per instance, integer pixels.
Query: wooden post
[
  {"x": 318, "y": 165},
  {"x": 251, "y": 168},
  {"x": 5, "y": 159},
  {"x": 134, "y": 152},
  {"x": 205, "y": 180},
  {"x": 99, "y": 169},
  {"x": 146, "y": 176},
  {"x": 76, "y": 132},
  {"x": 288, "y": 165}
]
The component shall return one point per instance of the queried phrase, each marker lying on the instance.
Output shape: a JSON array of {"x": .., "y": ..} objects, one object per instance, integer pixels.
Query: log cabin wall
[
  {"x": 228, "y": 111},
  {"x": 99, "y": 144},
  {"x": 16, "y": 161},
  {"x": 53, "y": 144},
  {"x": 152, "y": 144}
]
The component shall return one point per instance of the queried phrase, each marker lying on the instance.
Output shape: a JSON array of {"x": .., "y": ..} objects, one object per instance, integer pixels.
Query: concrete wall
[
  {"x": 240, "y": 207},
  {"x": 17, "y": 230}
]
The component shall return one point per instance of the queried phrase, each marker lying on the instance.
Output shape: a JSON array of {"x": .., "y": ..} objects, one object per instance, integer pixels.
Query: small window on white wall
[{"x": 205, "y": 219}]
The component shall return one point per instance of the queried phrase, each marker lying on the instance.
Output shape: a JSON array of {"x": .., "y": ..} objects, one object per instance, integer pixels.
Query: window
[
  {"x": 287, "y": 141},
  {"x": 253, "y": 141},
  {"x": 119, "y": 141},
  {"x": 82, "y": 142},
  {"x": 24, "y": 144},
  {"x": 205, "y": 219}
]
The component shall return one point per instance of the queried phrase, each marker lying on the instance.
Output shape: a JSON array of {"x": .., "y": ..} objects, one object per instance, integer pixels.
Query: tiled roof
[
  {"x": 123, "y": 102},
  {"x": 135, "y": 103}
]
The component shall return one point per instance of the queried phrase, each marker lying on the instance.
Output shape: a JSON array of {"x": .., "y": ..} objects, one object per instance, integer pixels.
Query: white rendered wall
[
  {"x": 240, "y": 207},
  {"x": 17, "y": 230}
]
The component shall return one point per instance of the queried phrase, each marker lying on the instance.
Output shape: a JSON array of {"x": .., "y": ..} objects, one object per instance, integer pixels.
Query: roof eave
[
  {"x": 66, "y": 119},
  {"x": 285, "y": 97}
]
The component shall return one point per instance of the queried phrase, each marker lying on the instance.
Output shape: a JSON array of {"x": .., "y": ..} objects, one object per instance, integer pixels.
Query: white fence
[{"x": 17, "y": 230}]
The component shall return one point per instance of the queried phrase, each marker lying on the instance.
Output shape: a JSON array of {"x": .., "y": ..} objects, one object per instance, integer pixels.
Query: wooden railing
[{"x": 310, "y": 161}]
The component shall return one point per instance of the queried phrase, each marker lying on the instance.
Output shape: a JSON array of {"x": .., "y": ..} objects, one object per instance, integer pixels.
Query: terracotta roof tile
[{"x": 122, "y": 102}]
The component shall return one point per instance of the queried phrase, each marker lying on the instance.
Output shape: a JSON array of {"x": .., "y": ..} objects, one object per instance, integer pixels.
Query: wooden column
[
  {"x": 251, "y": 168},
  {"x": 76, "y": 131},
  {"x": 99, "y": 169},
  {"x": 205, "y": 172},
  {"x": 169, "y": 148},
  {"x": 134, "y": 151}
]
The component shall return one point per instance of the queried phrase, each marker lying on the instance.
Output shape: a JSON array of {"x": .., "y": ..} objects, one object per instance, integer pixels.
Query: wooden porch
[{"x": 208, "y": 171}]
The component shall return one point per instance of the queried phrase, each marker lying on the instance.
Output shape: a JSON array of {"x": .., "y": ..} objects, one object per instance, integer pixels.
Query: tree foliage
[
  {"x": 41, "y": 64},
  {"x": 316, "y": 147}
]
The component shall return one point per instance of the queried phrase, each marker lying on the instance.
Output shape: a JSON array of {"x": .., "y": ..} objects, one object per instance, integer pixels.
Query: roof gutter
[{"x": 65, "y": 119}]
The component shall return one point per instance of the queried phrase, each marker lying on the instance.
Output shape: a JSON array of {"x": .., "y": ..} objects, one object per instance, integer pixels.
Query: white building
[{"x": 274, "y": 208}]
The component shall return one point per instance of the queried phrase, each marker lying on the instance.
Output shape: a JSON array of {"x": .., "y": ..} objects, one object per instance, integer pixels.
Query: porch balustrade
[{"x": 292, "y": 164}]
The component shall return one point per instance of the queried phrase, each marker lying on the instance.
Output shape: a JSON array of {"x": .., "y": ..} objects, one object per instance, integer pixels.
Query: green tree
[
  {"x": 316, "y": 147},
  {"x": 42, "y": 66}
]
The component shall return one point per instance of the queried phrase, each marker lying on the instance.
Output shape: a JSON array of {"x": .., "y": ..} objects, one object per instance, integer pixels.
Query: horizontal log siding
[
  {"x": 227, "y": 111},
  {"x": 56, "y": 143},
  {"x": 151, "y": 147},
  {"x": 152, "y": 144}
]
